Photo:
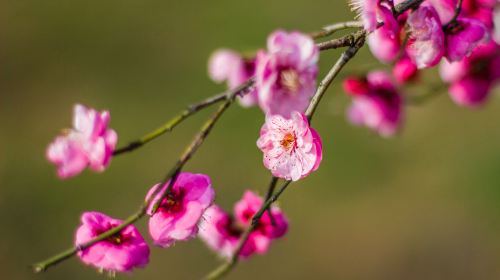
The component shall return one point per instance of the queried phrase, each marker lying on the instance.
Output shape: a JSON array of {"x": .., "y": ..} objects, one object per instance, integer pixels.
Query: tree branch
[
  {"x": 201, "y": 136},
  {"x": 188, "y": 153},
  {"x": 172, "y": 123},
  {"x": 453, "y": 20},
  {"x": 332, "y": 28},
  {"x": 334, "y": 71}
]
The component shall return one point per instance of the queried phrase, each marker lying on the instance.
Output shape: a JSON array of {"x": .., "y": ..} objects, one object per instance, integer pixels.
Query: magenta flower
[
  {"x": 404, "y": 70},
  {"x": 472, "y": 79},
  {"x": 179, "y": 213},
  {"x": 376, "y": 103},
  {"x": 463, "y": 37},
  {"x": 89, "y": 143},
  {"x": 286, "y": 73},
  {"x": 292, "y": 150},
  {"x": 120, "y": 253},
  {"x": 385, "y": 41},
  {"x": 221, "y": 232},
  {"x": 426, "y": 43},
  {"x": 229, "y": 66}
]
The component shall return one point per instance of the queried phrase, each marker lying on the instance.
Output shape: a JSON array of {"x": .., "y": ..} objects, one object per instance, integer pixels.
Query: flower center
[
  {"x": 290, "y": 80},
  {"x": 172, "y": 203},
  {"x": 288, "y": 141},
  {"x": 116, "y": 239}
]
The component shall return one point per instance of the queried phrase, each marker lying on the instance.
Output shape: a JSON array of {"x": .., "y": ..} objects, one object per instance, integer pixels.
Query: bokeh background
[{"x": 423, "y": 205}]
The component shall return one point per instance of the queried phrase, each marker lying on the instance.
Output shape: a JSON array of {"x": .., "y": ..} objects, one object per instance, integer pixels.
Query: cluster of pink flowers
[
  {"x": 285, "y": 73},
  {"x": 471, "y": 58},
  {"x": 176, "y": 219},
  {"x": 285, "y": 76},
  {"x": 185, "y": 213},
  {"x": 285, "y": 80},
  {"x": 90, "y": 143},
  {"x": 222, "y": 232}
]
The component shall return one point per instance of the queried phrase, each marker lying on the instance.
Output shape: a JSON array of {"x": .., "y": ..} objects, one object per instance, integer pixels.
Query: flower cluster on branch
[{"x": 410, "y": 35}]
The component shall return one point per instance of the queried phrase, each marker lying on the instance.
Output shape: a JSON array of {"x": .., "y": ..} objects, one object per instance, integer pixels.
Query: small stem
[
  {"x": 345, "y": 41},
  {"x": 172, "y": 123},
  {"x": 192, "y": 148},
  {"x": 196, "y": 143},
  {"x": 270, "y": 191},
  {"x": 405, "y": 6},
  {"x": 453, "y": 20},
  {"x": 227, "y": 266},
  {"x": 330, "y": 29},
  {"x": 334, "y": 71}
]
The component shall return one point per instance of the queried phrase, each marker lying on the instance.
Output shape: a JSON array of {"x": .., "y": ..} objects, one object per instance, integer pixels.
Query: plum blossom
[
  {"x": 179, "y": 213},
  {"x": 286, "y": 73},
  {"x": 376, "y": 103},
  {"x": 121, "y": 252},
  {"x": 472, "y": 79},
  {"x": 404, "y": 70},
  {"x": 90, "y": 143},
  {"x": 426, "y": 43},
  {"x": 231, "y": 67},
  {"x": 292, "y": 150},
  {"x": 385, "y": 42},
  {"x": 222, "y": 232},
  {"x": 463, "y": 36}
]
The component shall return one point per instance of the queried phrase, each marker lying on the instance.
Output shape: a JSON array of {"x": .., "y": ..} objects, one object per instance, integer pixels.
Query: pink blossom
[
  {"x": 229, "y": 66},
  {"x": 120, "y": 253},
  {"x": 179, "y": 213},
  {"x": 376, "y": 103},
  {"x": 222, "y": 232},
  {"x": 404, "y": 70},
  {"x": 463, "y": 37},
  {"x": 426, "y": 43},
  {"x": 89, "y": 143},
  {"x": 385, "y": 41},
  {"x": 286, "y": 73},
  {"x": 472, "y": 79},
  {"x": 292, "y": 150}
]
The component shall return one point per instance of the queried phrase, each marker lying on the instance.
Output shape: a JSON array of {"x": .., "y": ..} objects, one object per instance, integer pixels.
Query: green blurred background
[{"x": 424, "y": 205}]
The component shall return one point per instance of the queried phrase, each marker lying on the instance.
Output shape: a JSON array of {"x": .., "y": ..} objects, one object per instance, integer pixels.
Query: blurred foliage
[{"x": 424, "y": 205}]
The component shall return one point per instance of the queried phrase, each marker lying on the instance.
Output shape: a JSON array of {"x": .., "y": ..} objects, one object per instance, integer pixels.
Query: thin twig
[
  {"x": 227, "y": 266},
  {"x": 197, "y": 141},
  {"x": 345, "y": 41},
  {"x": 188, "y": 153},
  {"x": 334, "y": 71},
  {"x": 330, "y": 29},
  {"x": 453, "y": 20},
  {"x": 172, "y": 123},
  {"x": 270, "y": 191},
  {"x": 405, "y": 6}
]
